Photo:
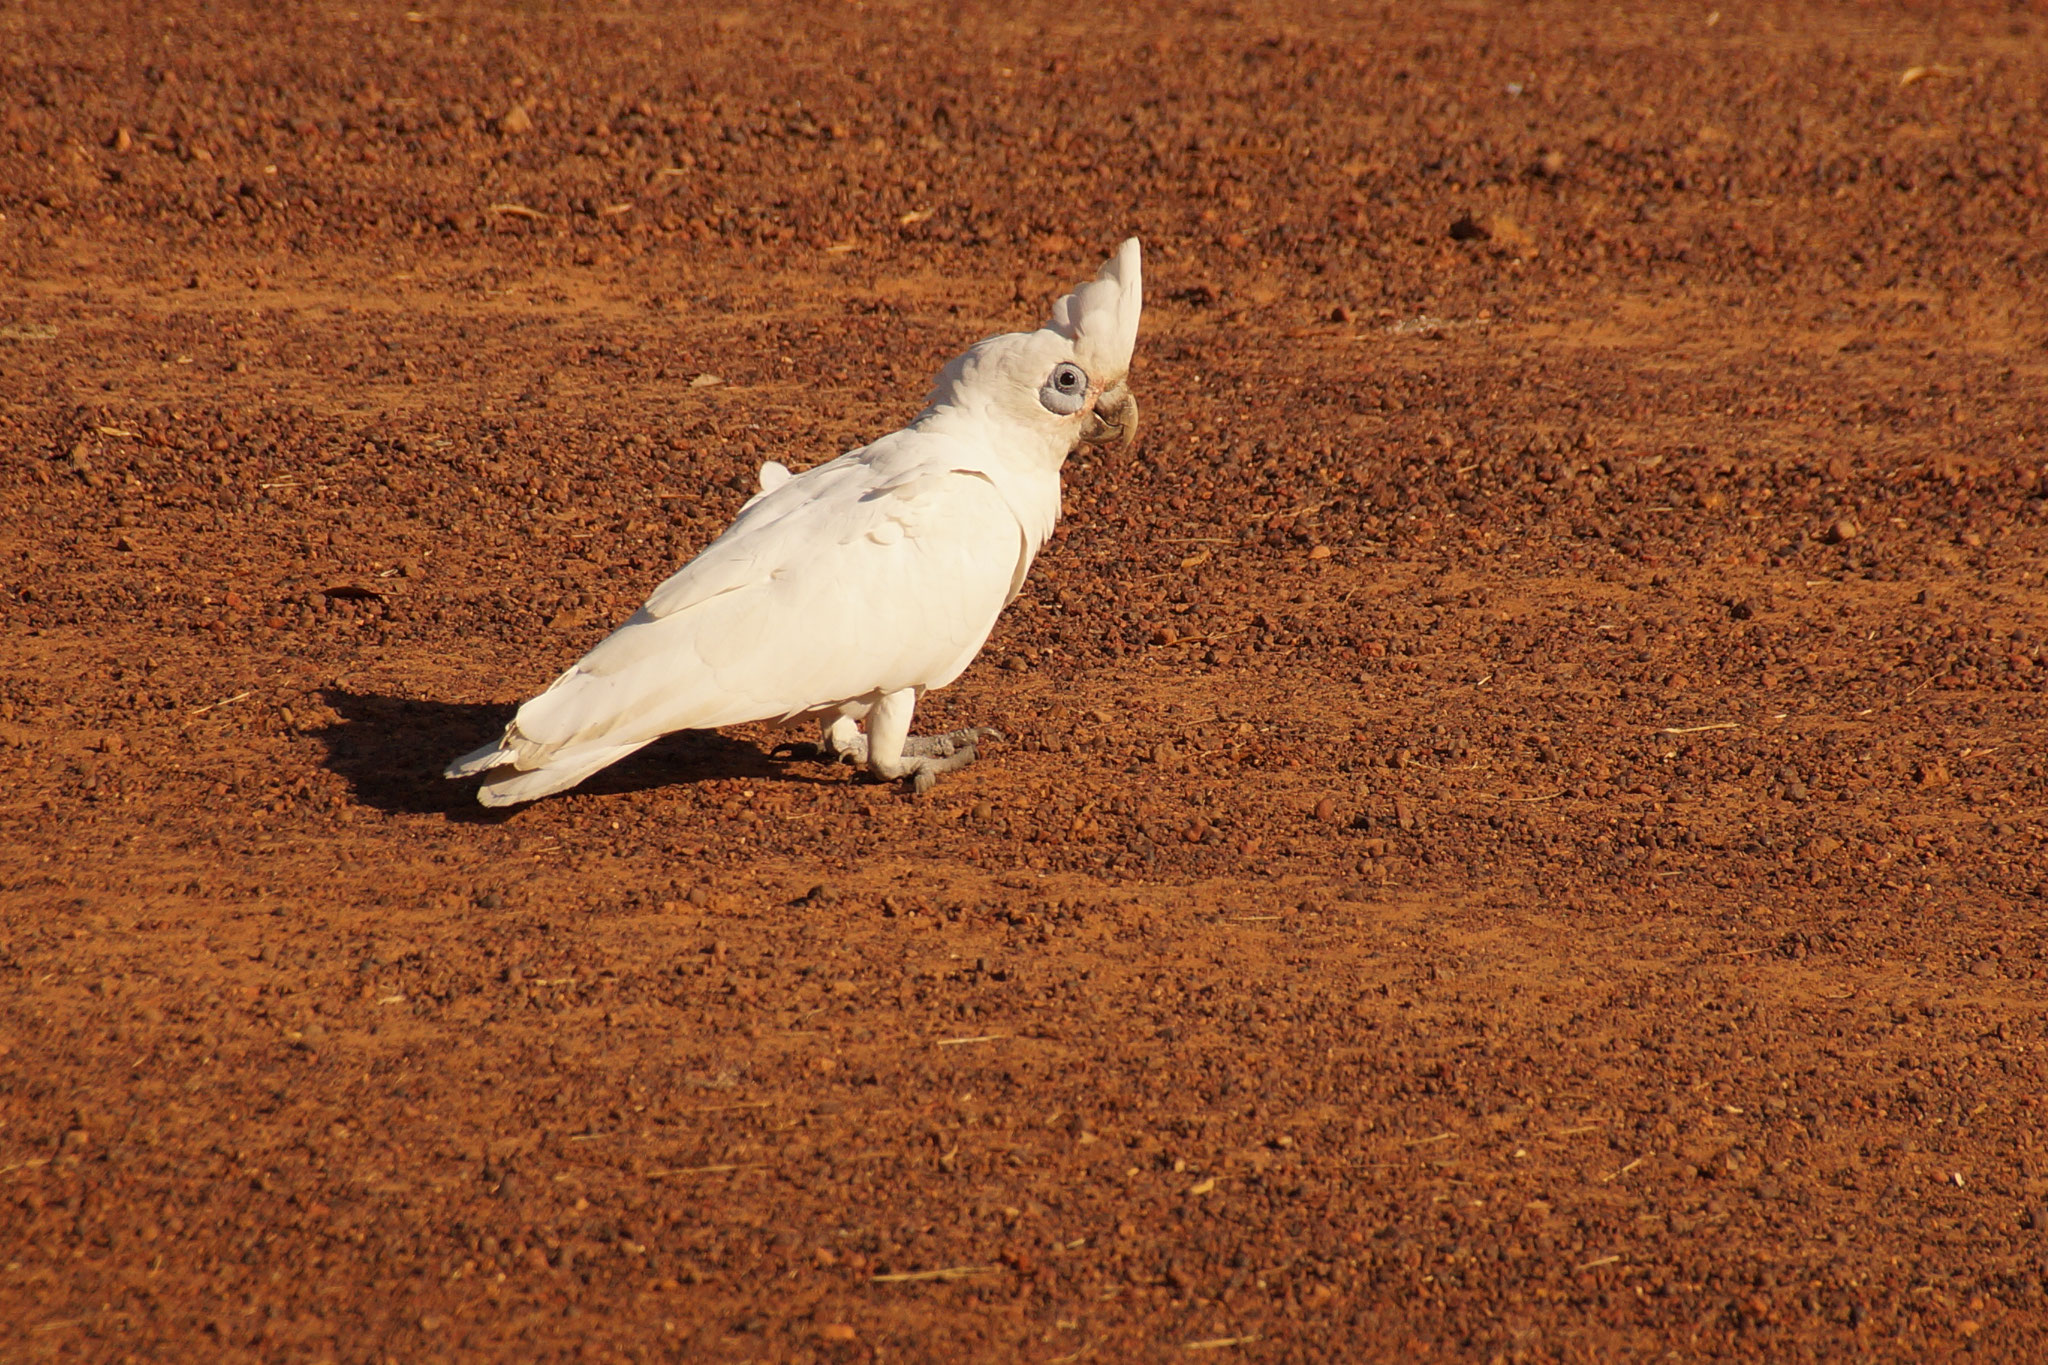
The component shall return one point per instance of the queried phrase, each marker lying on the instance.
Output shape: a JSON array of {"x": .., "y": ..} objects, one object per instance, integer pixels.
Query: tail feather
[
  {"x": 470, "y": 764},
  {"x": 561, "y": 771}
]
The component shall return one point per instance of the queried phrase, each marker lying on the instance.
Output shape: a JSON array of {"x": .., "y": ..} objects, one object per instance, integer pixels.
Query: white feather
[{"x": 880, "y": 571}]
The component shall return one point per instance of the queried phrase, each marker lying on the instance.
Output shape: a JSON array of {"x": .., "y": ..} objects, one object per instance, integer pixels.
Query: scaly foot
[
  {"x": 851, "y": 746},
  {"x": 926, "y": 756},
  {"x": 943, "y": 746},
  {"x": 893, "y": 754}
]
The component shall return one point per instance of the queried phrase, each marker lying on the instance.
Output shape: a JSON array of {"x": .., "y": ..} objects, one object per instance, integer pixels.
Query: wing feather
[{"x": 833, "y": 586}]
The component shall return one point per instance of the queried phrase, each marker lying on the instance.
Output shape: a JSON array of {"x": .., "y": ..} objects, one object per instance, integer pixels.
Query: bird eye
[{"x": 1064, "y": 389}]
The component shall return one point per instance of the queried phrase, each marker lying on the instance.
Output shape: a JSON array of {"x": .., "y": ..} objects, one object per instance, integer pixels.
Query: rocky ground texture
[{"x": 1521, "y": 832}]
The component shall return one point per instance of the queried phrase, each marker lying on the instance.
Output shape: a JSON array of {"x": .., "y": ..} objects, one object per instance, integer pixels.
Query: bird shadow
[{"x": 391, "y": 750}]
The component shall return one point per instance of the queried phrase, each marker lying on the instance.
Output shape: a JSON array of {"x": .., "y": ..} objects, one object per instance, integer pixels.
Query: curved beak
[{"x": 1115, "y": 419}]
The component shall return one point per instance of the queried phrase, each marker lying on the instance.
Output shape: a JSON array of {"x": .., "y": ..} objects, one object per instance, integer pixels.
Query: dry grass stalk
[
  {"x": 1912, "y": 75},
  {"x": 951, "y": 1272}
]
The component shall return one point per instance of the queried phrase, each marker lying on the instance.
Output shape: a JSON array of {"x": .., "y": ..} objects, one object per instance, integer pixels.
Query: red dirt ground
[{"x": 1522, "y": 836}]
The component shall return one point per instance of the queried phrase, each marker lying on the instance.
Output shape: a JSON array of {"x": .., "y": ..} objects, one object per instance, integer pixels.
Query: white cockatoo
[{"x": 846, "y": 592}]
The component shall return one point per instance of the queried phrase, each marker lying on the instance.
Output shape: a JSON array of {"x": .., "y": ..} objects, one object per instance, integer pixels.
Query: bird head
[{"x": 1065, "y": 381}]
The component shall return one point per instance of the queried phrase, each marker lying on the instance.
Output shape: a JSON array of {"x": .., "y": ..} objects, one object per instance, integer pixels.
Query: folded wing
[{"x": 882, "y": 570}]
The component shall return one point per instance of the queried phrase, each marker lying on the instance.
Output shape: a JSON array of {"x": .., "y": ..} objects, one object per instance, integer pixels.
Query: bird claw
[
  {"x": 855, "y": 754},
  {"x": 923, "y": 759},
  {"x": 930, "y": 755},
  {"x": 942, "y": 746}
]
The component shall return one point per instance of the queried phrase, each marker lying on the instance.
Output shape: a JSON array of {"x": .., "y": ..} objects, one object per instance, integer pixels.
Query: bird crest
[{"x": 1100, "y": 318}]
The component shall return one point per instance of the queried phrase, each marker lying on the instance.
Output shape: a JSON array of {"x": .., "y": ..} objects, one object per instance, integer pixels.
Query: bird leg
[
  {"x": 892, "y": 753},
  {"x": 840, "y": 741}
]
